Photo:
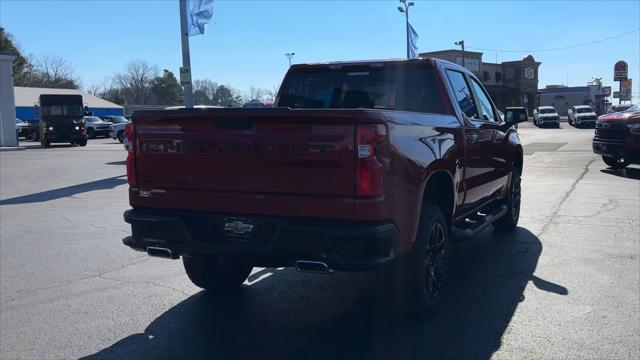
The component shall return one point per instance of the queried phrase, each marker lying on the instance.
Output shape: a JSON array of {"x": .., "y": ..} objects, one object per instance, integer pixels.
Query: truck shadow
[
  {"x": 291, "y": 315},
  {"x": 54, "y": 194}
]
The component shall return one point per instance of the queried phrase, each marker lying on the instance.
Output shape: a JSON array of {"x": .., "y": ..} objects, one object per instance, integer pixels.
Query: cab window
[{"x": 462, "y": 94}]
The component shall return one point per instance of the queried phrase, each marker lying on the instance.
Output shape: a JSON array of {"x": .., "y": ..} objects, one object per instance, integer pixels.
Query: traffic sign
[{"x": 185, "y": 76}]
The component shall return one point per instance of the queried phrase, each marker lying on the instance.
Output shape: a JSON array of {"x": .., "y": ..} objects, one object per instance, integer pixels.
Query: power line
[{"x": 558, "y": 48}]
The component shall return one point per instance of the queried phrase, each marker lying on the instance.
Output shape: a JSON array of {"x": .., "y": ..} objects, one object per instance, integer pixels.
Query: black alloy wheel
[{"x": 435, "y": 260}]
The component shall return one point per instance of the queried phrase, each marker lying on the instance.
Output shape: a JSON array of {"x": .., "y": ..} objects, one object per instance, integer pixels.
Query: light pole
[
  {"x": 461, "y": 43},
  {"x": 405, "y": 10},
  {"x": 289, "y": 56}
]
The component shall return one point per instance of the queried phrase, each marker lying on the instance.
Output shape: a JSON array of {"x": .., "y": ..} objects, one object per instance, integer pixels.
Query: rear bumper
[
  {"x": 616, "y": 149},
  {"x": 271, "y": 242}
]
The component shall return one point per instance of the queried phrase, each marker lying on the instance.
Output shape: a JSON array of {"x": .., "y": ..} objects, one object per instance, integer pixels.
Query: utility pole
[
  {"x": 461, "y": 43},
  {"x": 186, "y": 58},
  {"x": 405, "y": 10},
  {"x": 289, "y": 55}
]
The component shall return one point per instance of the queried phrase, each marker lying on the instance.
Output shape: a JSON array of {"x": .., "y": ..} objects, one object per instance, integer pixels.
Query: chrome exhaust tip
[
  {"x": 317, "y": 267},
  {"x": 161, "y": 252}
]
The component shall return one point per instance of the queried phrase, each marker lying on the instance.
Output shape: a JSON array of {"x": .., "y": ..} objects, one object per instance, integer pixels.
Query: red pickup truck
[
  {"x": 617, "y": 138},
  {"x": 361, "y": 165}
]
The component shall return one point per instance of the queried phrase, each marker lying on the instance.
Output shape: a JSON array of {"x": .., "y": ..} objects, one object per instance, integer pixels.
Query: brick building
[{"x": 510, "y": 83}]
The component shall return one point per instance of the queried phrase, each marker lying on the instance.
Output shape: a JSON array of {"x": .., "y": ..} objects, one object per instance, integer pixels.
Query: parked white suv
[
  {"x": 546, "y": 115},
  {"x": 581, "y": 115}
]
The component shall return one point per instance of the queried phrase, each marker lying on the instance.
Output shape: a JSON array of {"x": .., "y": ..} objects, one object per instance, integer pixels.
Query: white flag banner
[
  {"x": 199, "y": 14},
  {"x": 413, "y": 43}
]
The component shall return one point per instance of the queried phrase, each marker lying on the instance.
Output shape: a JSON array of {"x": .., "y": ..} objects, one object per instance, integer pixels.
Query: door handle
[{"x": 472, "y": 138}]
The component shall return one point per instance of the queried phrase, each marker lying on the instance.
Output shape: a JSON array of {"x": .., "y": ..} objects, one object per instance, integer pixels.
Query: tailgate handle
[{"x": 234, "y": 124}]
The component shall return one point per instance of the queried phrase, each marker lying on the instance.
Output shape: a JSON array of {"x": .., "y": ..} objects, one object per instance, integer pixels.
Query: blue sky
[{"x": 246, "y": 43}]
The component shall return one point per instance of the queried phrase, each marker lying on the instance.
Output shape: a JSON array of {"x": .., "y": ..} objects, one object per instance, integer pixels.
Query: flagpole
[
  {"x": 407, "y": 26},
  {"x": 186, "y": 58},
  {"x": 405, "y": 9}
]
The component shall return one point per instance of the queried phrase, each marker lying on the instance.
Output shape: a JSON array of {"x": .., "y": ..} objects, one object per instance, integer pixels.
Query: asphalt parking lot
[{"x": 566, "y": 284}]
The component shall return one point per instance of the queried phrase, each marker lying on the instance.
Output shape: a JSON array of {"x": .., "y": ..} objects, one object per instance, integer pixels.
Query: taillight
[
  {"x": 369, "y": 171},
  {"x": 129, "y": 144}
]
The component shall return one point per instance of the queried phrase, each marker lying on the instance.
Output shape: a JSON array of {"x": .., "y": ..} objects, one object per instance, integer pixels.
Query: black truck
[{"x": 61, "y": 120}]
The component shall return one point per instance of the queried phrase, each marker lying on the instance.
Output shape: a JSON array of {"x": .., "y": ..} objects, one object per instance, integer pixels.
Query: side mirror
[{"x": 514, "y": 116}]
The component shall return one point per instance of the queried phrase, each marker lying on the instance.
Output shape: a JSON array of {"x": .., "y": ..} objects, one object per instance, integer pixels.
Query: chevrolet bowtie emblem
[{"x": 238, "y": 227}]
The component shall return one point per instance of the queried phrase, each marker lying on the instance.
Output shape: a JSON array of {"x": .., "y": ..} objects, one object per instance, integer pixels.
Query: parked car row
[{"x": 95, "y": 126}]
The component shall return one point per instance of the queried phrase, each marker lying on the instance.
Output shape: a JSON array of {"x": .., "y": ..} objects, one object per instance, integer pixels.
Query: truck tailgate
[{"x": 253, "y": 151}]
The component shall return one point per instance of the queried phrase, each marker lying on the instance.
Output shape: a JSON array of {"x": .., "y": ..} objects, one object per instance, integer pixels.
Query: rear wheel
[
  {"x": 120, "y": 136},
  {"x": 510, "y": 220},
  {"x": 419, "y": 279},
  {"x": 616, "y": 163},
  {"x": 218, "y": 274}
]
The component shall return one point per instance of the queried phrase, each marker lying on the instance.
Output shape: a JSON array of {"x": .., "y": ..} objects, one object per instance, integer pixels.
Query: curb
[{"x": 13, "y": 148}]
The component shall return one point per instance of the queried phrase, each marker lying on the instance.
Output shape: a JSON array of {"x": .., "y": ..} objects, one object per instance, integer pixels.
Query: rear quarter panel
[{"x": 419, "y": 146}]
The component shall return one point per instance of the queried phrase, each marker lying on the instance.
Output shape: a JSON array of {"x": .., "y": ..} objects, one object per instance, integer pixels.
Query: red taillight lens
[
  {"x": 369, "y": 171},
  {"x": 129, "y": 144}
]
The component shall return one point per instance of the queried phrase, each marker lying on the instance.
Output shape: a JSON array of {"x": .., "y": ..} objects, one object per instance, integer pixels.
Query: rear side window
[
  {"x": 405, "y": 88},
  {"x": 462, "y": 94}
]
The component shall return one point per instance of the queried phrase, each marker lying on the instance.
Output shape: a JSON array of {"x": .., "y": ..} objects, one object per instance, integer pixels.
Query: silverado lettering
[{"x": 206, "y": 148}]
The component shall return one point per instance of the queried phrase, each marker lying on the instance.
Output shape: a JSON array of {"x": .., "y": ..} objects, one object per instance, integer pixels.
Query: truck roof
[
  {"x": 53, "y": 99},
  {"x": 371, "y": 63}
]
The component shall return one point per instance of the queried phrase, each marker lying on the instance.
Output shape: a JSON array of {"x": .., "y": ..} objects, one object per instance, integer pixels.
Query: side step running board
[{"x": 478, "y": 224}]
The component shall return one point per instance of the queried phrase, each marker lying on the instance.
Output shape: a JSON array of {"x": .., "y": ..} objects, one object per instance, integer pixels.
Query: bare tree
[
  {"x": 53, "y": 72},
  {"x": 135, "y": 82},
  {"x": 270, "y": 94},
  {"x": 255, "y": 93}
]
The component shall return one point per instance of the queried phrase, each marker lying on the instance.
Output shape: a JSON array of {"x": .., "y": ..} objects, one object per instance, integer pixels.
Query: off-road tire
[
  {"x": 509, "y": 221},
  {"x": 615, "y": 163},
  {"x": 218, "y": 274}
]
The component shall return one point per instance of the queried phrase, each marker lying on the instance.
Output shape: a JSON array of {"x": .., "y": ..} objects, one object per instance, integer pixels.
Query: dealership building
[
  {"x": 510, "y": 83},
  {"x": 563, "y": 97},
  {"x": 26, "y": 99}
]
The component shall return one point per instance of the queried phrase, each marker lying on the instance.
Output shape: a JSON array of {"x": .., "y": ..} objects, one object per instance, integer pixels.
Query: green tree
[
  {"x": 21, "y": 66},
  {"x": 166, "y": 90},
  {"x": 227, "y": 96}
]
